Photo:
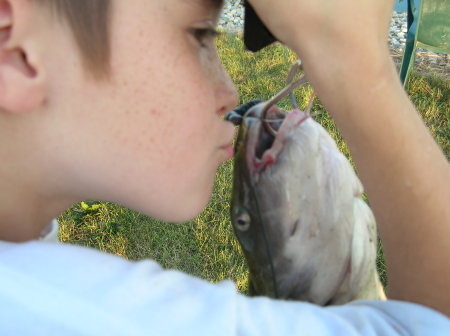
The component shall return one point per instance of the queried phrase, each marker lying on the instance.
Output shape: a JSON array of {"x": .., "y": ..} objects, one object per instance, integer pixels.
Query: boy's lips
[
  {"x": 228, "y": 145},
  {"x": 229, "y": 150}
]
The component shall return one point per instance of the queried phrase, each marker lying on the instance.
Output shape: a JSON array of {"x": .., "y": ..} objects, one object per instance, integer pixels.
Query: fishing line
[
  {"x": 289, "y": 89},
  {"x": 291, "y": 86},
  {"x": 266, "y": 242},
  {"x": 289, "y": 79}
]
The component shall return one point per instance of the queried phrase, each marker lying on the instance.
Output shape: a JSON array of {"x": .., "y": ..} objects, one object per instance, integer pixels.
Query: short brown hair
[{"x": 89, "y": 22}]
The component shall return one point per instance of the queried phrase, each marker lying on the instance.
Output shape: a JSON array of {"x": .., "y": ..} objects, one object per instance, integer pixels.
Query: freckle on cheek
[{"x": 154, "y": 112}]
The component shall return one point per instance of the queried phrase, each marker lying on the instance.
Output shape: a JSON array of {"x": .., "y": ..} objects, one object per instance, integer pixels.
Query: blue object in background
[
  {"x": 401, "y": 6},
  {"x": 428, "y": 28}
]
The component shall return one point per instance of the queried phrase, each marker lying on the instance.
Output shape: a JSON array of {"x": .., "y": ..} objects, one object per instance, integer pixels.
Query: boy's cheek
[{"x": 175, "y": 193}]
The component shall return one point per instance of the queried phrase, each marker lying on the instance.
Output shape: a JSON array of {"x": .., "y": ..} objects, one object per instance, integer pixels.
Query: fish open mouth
[
  {"x": 268, "y": 130},
  {"x": 261, "y": 134},
  {"x": 266, "y": 135}
]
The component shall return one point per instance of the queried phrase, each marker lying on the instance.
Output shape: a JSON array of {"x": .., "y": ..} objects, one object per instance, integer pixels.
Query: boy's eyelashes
[{"x": 204, "y": 35}]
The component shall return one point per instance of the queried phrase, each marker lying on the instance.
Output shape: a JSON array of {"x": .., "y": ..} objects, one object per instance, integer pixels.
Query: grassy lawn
[{"x": 206, "y": 246}]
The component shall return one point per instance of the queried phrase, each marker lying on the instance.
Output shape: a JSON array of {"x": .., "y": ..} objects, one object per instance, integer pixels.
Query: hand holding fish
[
  {"x": 319, "y": 24},
  {"x": 324, "y": 32}
]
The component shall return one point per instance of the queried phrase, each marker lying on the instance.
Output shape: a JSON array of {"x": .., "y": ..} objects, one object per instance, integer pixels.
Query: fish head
[
  {"x": 260, "y": 204},
  {"x": 293, "y": 209}
]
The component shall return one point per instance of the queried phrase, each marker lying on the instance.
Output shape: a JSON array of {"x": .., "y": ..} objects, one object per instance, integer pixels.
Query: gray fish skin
[{"x": 305, "y": 212}]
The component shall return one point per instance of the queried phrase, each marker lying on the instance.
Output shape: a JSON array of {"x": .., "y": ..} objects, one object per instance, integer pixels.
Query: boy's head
[{"x": 146, "y": 130}]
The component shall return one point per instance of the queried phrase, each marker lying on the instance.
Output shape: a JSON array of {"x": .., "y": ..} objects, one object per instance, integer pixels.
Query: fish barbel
[{"x": 298, "y": 213}]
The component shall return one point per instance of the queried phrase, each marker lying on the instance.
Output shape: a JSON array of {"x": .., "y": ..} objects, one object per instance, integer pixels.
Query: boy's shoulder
[{"x": 48, "y": 288}]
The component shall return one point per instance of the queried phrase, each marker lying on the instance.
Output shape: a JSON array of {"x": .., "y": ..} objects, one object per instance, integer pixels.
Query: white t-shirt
[{"x": 59, "y": 289}]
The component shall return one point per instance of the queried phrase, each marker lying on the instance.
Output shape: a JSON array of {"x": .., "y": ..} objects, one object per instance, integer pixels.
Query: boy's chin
[
  {"x": 181, "y": 216},
  {"x": 179, "y": 211}
]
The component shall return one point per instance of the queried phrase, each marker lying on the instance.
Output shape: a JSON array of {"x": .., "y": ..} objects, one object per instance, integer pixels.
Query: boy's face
[{"x": 152, "y": 137}]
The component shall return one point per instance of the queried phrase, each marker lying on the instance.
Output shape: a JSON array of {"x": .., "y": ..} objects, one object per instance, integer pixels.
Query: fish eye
[{"x": 242, "y": 222}]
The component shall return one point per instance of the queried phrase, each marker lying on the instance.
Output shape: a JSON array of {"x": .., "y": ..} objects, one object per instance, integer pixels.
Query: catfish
[{"x": 297, "y": 210}]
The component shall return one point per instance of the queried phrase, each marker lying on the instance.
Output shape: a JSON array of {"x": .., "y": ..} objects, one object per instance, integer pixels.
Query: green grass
[{"x": 206, "y": 247}]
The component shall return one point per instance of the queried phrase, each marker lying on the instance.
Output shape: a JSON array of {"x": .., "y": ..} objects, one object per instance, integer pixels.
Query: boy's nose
[{"x": 227, "y": 95}]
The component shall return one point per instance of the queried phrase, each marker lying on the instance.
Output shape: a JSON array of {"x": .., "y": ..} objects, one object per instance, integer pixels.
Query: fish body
[{"x": 298, "y": 213}]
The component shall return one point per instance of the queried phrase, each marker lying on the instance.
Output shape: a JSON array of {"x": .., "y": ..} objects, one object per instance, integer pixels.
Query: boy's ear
[{"x": 22, "y": 86}]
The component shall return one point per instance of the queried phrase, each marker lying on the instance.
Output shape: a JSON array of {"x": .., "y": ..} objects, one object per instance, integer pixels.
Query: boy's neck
[
  {"x": 26, "y": 206},
  {"x": 22, "y": 218},
  {"x": 28, "y": 193}
]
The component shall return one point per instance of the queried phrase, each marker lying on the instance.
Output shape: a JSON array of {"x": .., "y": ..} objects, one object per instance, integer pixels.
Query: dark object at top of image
[{"x": 256, "y": 34}]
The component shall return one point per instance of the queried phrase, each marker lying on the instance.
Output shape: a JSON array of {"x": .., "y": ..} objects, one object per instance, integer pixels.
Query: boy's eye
[{"x": 204, "y": 35}]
